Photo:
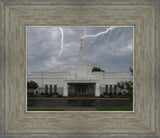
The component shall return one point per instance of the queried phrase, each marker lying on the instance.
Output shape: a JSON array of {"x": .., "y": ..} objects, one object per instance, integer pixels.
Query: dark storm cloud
[{"x": 112, "y": 51}]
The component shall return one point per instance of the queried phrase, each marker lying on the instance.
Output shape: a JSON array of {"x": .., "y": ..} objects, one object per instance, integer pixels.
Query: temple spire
[{"x": 81, "y": 61}]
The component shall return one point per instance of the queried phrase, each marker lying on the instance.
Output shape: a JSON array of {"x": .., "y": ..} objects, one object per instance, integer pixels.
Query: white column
[
  {"x": 117, "y": 90},
  {"x": 65, "y": 91},
  {"x": 112, "y": 89},
  {"x": 97, "y": 91}
]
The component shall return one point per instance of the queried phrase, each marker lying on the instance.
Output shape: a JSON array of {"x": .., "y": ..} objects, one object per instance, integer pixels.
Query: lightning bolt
[
  {"x": 96, "y": 35},
  {"x": 61, "y": 30},
  {"x": 85, "y": 36}
]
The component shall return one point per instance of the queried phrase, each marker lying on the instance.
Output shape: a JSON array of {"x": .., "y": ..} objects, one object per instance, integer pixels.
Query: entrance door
[{"x": 81, "y": 89}]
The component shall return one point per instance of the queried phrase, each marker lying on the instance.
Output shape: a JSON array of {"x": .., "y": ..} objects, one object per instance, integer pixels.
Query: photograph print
[{"x": 79, "y": 68}]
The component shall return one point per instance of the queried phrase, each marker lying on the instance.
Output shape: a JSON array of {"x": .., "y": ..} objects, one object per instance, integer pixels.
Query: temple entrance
[{"x": 81, "y": 89}]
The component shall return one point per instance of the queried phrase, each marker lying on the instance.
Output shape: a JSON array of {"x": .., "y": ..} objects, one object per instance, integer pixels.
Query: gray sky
[{"x": 111, "y": 51}]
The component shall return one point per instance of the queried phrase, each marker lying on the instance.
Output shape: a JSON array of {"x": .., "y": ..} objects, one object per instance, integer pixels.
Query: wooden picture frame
[{"x": 143, "y": 121}]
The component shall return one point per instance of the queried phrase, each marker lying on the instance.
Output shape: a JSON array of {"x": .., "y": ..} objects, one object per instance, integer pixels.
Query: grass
[
  {"x": 114, "y": 108},
  {"x": 45, "y": 110}
]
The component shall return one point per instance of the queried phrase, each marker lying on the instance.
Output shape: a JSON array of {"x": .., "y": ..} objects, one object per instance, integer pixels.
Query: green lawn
[
  {"x": 122, "y": 96},
  {"x": 45, "y": 110},
  {"x": 114, "y": 108}
]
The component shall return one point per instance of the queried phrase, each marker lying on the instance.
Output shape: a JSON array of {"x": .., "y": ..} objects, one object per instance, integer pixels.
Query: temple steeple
[
  {"x": 80, "y": 60},
  {"x": 80, "y": 70}
]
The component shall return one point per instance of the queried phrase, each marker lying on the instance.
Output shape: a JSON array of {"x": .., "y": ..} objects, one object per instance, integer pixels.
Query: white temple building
[{"x": 79, "y": 81}]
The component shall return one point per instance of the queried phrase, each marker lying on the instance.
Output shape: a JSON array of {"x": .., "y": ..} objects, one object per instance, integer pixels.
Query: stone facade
[{"x": 80, "y": 79}]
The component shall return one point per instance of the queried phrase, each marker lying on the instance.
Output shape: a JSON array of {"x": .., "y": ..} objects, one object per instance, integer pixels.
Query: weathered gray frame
[{"x": 142, "y": 122}]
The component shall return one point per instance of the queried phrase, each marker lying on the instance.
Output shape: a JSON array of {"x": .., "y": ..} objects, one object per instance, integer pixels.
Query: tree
[
  {"x": 121, "y": 85},
  {"x": 97, "y": 69},
  {"x": 129, "y": 86},
  {"x": 32, "y": 85},
  {"x": 131, "y": 70},
  {"x": 126, "y": 85}
]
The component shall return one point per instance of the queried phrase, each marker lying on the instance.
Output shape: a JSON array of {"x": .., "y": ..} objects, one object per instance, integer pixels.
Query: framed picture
[
  {"x": 79, "y": 68},
  {"x": 17, "y": 120}
]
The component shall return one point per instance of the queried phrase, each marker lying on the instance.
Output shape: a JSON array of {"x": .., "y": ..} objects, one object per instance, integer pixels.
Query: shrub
[
  {"x": 55, "y": 93},
  {"x": 102, "y": 95},
  {"x": 32, "y": 85},
  {"x": 32, "y": 93},
  {"x": 105, "y": 93},
  {"x": 50, "y": 95},
  {"x": 36, "y": 92},
  {"x": 60, "y": 95}
]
